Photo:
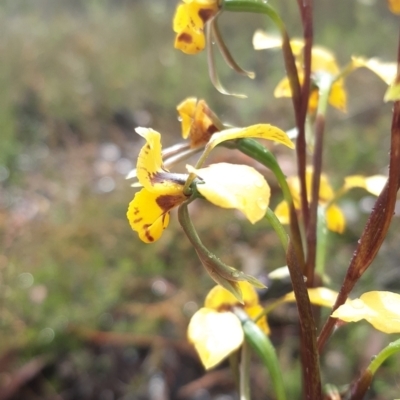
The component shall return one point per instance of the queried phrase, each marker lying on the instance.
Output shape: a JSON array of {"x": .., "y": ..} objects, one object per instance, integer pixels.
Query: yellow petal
[
  {"x": 205, "y": 123},
  {"x": 215, "y": 335},
  {"x": 323, "y": 60},
  {"x": 255, "y": 311},
  {"x": 189, "y": 23},
  {"x": 385, "y": 70},
  {"x": 219, "y": 298},
  {"x": 313, "y": 101},
  {"x": 261, "y": 131},
  {"x": 282, "y": 212},
  {"x": 283, "y": 89},
  {"x": 392, "y": 93},
  {"x": 325, "y": 189},
  {"x": 151, "y": 172},
  {"x": 235, "y": 186},
  {"x": 380, "y": 309},
  {"x": 320, "y": 296},
  {"x": 186, "y": 111},
  {"x": 335, "y": 220},
  {"x": 190, "y": 41},
  {"x": 394, "y": 6},
  {"x": 148, "y": 213},
  {"x": 373, "y": 184},
  {"x": 338, "y": 96},
  {"x": 263, "y": 40}
]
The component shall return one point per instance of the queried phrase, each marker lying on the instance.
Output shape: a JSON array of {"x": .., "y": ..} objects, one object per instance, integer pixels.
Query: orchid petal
[
  {"x": 380, "y": 309},
  {"x": 261, "y": 131},
  {"x": 235, "y": 186},
  {"x": 215, "y": 335},
  {"x": 150, "y": 169}
]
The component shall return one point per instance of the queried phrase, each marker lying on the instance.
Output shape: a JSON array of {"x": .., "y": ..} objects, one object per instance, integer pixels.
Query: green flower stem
[
  {"x": 245, "y": 372},
  {"x": 279, "y": 229},
  {"x": 225, "y": 275},
  {"x": 254, "y": 6},
  {"x": 263, "y": 347},
  {"x": 389, "y": 350},
  {"x": 360, "y": 387},
  {"x": 271, "y": 306},
  {"x": 255, "y": 150},
  {"x": 258, "y": 152}
]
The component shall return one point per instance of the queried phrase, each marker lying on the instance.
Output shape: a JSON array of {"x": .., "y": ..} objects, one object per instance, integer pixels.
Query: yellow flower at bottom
[
  {"x": 215, "y": 331},
  {"x": 189, "y": 21}
]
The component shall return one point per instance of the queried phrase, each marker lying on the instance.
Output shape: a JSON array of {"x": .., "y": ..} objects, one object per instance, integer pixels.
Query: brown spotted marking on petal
[
  {"x": 212, "y": 129},
  {"x": 137, "y": 220},
  {"x": 136, "y": 211},
  {"x": 185, "y": 38},
  {"x": 147, "y": 233},
  {"x": 169, "y": 201},
  {"x": 205, "y": 14}
]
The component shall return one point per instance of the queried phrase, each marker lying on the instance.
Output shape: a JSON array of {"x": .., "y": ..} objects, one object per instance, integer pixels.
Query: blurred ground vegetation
[{"x": 86, "y": 310}]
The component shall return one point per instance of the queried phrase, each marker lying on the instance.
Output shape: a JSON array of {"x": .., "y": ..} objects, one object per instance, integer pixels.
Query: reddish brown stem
[
  {"x": 312, "y": 222},
  {"x": 378, "y": 222},
  {"x": 309, "y": 351},
  {"x": 305, "y": 7}
]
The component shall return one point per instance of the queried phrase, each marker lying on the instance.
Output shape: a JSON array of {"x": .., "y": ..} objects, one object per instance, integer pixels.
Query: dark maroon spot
[
  {"x": 185, "y": 37},
  {"x": 147, "y": 233},
  {"x": 205, "y": 14},
  {"x": 212, "y": 129},
  {"x": 168, "y": 202}
]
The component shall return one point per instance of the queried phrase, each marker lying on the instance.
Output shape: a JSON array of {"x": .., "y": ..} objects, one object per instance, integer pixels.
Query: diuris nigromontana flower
[
  {"x": 380, "y": 308},
  {"x": 198, "y": 121},
  {"x": 226, "y": 185},
  {"x": 335, "y": 219},
  {"x": 148, "y": 212},
  {"x": 189, "y": 22},
  {"x": 215, "y": 331},
  {"x": 322, "y": 61}
]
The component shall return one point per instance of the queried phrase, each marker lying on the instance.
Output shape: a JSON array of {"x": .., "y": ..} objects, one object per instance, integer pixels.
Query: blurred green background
[{"x": 87, "y": 311}]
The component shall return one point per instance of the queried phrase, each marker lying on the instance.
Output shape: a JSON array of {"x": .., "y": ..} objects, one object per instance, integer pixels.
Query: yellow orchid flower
[
  {"x": 148, "y": 212},
  {"x": 215, "y": 331},
  {"x": 335, "y": 219},
  {"x": 198, "y": 121},
  {"x": 225, "y": 185},
  {"x": 387, "y": 71},
  {"x": 322, "y": 61},
  {"x": 394, "y": 6},
  {"x": 189, "y": 21},
  {"x": 380, "y": 309}
]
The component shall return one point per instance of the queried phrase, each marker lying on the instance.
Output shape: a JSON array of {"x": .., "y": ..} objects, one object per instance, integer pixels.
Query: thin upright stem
[{"x": 378, "y": 222}]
